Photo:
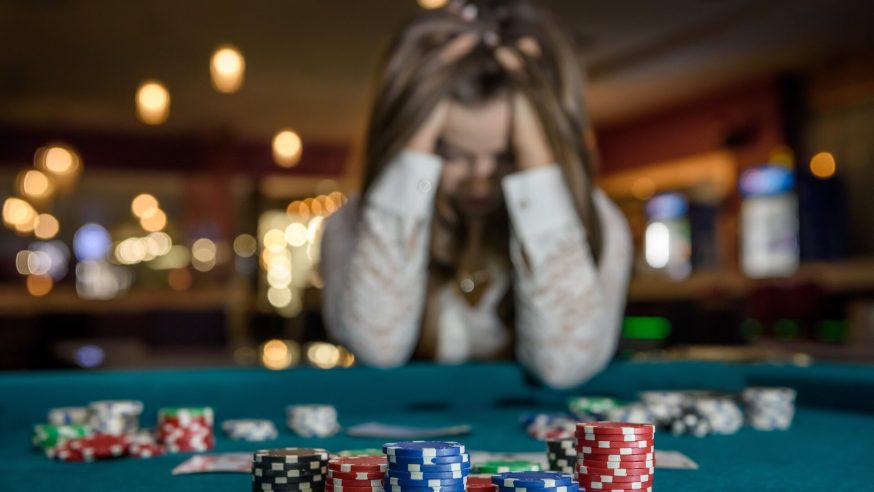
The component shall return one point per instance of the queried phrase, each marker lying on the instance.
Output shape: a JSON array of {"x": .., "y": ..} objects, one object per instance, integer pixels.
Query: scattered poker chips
[
  {"x": 561, "y": 455},
  {"x": 356, "y": 473},
  {"x": 68, "y": 416},
  {"x": 185, "y": 429},
  {"x": 303, "y": 469},
  {"x": 426, "y": 466},
  {"x": 632, "y": 412},
  {"x": 615, "y": 455},
  {"x": 144, "y": 445},
  {"x": 312, "y": 420},
  {"x": 543, "y": 426},
  {"x": 769, "y": 408},
  {"x": 502, "y": 466},
  {"x": 49, "y": 435},
  {"x": 250, "y": 429},
  {"x": 592, "y": 406},
  {"x": 114, "y": 416},
  {"x": 91, "y": 448},
  {"x": 542, "y": 481}
]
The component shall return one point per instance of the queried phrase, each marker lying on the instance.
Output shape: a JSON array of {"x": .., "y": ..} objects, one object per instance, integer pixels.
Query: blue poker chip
[
  {"x": 433, "y": 460},
  {"x": 434, "y": 482},
  {"x": 423, "y": 448},
  {"x": 400, "y": 488},
  {"x": 574, "y": 487},
  {"x": 414, "y": 475},
  {"x": 428, "y": 468},
  {"x": 532, "y": 479}
]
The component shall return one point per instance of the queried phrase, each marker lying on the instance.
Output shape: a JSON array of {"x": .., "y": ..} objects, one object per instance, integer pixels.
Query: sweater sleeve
[
  {"x": 568, "y": 308},
  {"x": 374, "y": 262}
]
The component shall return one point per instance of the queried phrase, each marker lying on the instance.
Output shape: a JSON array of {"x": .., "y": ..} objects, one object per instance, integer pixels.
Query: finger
[
  {"x": 458, "y": 47},
  {"x": 508, "y": 59},
  {"x": 529, "y": 46}
]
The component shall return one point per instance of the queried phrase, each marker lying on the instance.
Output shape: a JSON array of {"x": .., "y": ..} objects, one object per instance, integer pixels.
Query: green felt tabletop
[{"x": 828, "y": 448}]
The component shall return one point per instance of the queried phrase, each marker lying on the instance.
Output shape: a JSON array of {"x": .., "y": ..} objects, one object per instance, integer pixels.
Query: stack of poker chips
[
  {"x": 356, "y": 473},
  {"x": 312, "y": 420},
  {"x": 544, "y": 426},
  {"x": 500, "y": 466},
  {"x": 250, "y": 429},
  {"x": 114, "y": 416},
  {"x": 561, "y": 454},
  {"x": 185, "y": 429},
  {"x": 769, "y": 408},
  {"x": 50, "y": 435},
  {"x": 143, "y": 444},
  {"x": 68, "y": 416},
  {"x": 723, "y": 414},
  {"x": 615, "y": 455},
  {"x": 417, "y": 466},
  {"x": 289, "y": 469},
  {"x": 638, "y": 413},
  {"x": 542, "y": 481},
  {"x": 90, "y": 448}
]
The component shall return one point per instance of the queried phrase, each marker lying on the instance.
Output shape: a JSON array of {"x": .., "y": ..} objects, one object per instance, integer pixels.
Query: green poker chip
[
  {"x": 593, "y": 404},
  {"x": 504, "y": 466},
  {"x": 47, "y": 435}
]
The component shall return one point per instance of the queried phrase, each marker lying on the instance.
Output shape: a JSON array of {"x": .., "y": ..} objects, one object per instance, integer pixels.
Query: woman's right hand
[{"x": 425, "y": 138}]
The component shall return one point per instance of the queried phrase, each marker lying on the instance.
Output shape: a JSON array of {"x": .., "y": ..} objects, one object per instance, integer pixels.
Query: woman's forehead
[{"x": 479, "y": 128}]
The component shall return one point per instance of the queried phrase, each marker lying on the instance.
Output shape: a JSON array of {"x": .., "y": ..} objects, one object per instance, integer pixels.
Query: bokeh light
[
  {"x": 143, "y": 204},
  {"x": 323, "y": 355},
  {"x": 643, "y": 188},
  {"x": 35, "y": 184},
  {"x": 296, "y": 234},
  {"x": 179, "y": 279},
  {"x": 245, "y": 245},
  {"x": 47, "y": 226},
  {"x": 39, "y": 285},
  {"x": 154, "y": 220},
  {"x": 287, "y": 147},
  {"x": 153, "y": 103},
  {"x": 91, "y": 242},
  {"x": 227, "y": 68},
  {"x": 432, "y": 4},
  {"x": 822, "y": 165},
  {"x": 276, "y": 355}
]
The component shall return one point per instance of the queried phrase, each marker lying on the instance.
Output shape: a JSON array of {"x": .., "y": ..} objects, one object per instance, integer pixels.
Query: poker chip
[
  {"x": 624, "y": 450},
  {"x": 357, "y": 475},
  {"x": 91, "y": 448},
  {"x": 592, "y": 406},
  {"x": 114, "y": 416},
  {"x": 432, "y": 460},
  {"x": 50, "y": 435},
  {"x": 480, "y": 483},
  {"x": 426, "y": 466},
  {"x": 502, "y": 466},
  {"x": 363, "y": 463},
  {"x": 532, "y": 479},
  {"x": 68, "y": 416},
  {"x": 250, "y": 429},
  {"x": 312, "y": 420},
  {"x": 185, "y": 429},
  {"x": 561, "y": 455},
  {"x": 290, "y": 469},
  {"x": 769, "y": 408},
  {"x": 545, "y": 426}
]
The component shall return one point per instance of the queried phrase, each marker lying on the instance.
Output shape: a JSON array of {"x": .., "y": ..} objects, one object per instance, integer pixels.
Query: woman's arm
[
  {"x": 568, "y": 309},
  {"x": 375, "y": 268}
]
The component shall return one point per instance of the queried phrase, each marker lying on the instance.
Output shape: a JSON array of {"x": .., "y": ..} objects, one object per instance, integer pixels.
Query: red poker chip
[
  {"x": 605, "y": 478},
  {"x": 635, "y": 486},
  {"x": 616, "y": 464},
  {"x": 614, "y": 451},
  {"x": 98, "y": 446},
  {"x": 480, "y": 483},
  {"x": 356, "y": 475},
  {"x": 621, "y": 458},
  {"x": 615, "y": 428},
  {"x": 607, "y": 444},
  {"x": 365, "y": 483},
  {"x": 329, "y": 487},
  {"x": 145, "y": 450},
  {"x": 585, "y": 470},
  {"x": 368, "y": 463}
]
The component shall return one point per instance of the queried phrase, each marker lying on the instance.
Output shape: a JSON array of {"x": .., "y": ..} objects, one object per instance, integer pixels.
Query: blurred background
[{"x": 166, "y": 168}]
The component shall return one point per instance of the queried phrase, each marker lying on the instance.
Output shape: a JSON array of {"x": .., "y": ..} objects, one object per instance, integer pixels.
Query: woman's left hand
[{"x": 530, "y": 145}]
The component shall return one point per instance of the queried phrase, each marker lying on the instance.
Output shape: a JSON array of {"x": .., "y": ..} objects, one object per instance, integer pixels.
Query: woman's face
[{"x": 476, "y": 153}]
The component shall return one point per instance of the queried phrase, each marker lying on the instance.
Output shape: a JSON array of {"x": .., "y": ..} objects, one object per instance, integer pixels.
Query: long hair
[{"x": 411, "y": 81}]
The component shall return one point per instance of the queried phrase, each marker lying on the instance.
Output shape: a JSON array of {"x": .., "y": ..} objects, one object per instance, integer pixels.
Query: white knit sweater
[{"x": 568, "y": 310}]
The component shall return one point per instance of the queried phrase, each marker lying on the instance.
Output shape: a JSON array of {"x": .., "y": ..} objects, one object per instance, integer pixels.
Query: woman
[{"x": 479, "y": 231}]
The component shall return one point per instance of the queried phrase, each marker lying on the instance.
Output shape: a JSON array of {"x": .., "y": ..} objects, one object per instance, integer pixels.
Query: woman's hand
[
  {"x": 425, "y": 138},
  {"x": 530, "y": 145}
]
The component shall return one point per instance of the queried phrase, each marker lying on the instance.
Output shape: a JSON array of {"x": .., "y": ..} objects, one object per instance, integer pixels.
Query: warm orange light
[
  {"x": 822, "y": 165},
  {"x": 35, "y": 184},
  {"x": 643, "y": 188},
  {"x": 154, "y": 221},
  {"x": 226, "y": 69},
  {"x": 39, "y": 285},
  {"x": 57, "y": 159},
  {"x": 47, "y": 226},
  {"x": 153, "y": 103},
  {"x": 143, "y": 204},
  {"x": 432, "y": 4}
]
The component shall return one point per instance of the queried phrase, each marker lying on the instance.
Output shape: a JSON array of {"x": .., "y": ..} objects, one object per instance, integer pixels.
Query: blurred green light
[
  {"x": 786, "y": 329},
  {"x": 833, "y": 330},
  {"x": 646, "y": 327}
]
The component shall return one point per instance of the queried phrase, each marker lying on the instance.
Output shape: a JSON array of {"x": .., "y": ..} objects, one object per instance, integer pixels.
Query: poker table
[{"x": 829, "y": 447}]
